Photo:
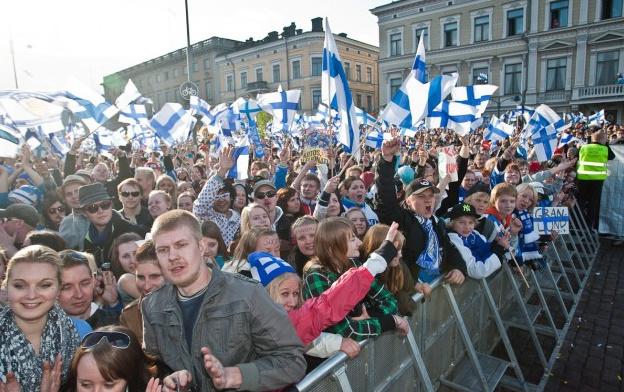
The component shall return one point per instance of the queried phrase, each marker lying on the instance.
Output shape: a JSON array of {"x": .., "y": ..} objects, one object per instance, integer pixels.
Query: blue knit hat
[
  {"x": 26, "y": 194},
  {"x": 265, "y": 267}
]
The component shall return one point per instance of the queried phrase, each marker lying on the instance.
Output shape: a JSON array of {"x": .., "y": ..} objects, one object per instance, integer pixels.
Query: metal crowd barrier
[{"x": 453, "y": 333}]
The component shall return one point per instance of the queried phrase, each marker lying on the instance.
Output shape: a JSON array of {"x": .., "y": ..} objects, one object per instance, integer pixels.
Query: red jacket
[{"x": 331, "y": 307}]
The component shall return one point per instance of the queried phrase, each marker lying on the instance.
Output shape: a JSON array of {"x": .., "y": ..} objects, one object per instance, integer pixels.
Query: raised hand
[
  {"x": 226, "y": 160},
  {"x": 110, "y": 295},
  {"x": 389, "y": 148},
  {"x": 394, "y": 228},
  {"x": 51, "y": 377},
  {"x": 332, "y": 184}
]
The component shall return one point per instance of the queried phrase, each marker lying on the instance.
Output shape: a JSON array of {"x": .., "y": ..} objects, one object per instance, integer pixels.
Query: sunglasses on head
[
  {"x": 133, "y": 194},
  {"x": 93, "y": 208},
  {"x": 262, "y": 195},
  {"x": 115, "y": 339},
  {"x": 53, "y": 210}
]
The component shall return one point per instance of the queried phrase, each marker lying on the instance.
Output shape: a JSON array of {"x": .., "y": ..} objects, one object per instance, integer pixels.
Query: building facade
[
  {"x": 225, "y": 69},
  {"x": 563, "y": 53},
  {"x": 294, "y": 61},
  {"x": 161, "y": 77}
]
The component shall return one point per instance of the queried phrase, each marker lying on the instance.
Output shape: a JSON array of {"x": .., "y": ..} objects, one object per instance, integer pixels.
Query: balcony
[
  {"x": 554, "y": 96},
  {"x": 257, "y": 87},
  {"x": 605, "y": 93}
]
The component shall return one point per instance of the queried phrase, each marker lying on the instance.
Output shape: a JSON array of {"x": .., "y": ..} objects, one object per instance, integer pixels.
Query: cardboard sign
[
  {"x": 316, "y": 142},
  {"x": 552, "y": 218},
  {"x": 314, "y": 154},
  {"x": 447, "y": 163}
]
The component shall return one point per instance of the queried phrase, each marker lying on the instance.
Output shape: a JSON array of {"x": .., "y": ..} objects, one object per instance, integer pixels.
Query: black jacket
[
  {"x": 115, "y": 228},
  {"x": 389, "y": 210}
]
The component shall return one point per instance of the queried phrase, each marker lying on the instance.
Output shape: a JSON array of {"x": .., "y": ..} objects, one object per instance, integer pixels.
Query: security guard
[{"x": 591, "y": 171}]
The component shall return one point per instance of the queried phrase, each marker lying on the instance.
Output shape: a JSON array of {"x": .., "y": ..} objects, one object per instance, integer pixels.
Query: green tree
[{"x": 262, "y": 119}]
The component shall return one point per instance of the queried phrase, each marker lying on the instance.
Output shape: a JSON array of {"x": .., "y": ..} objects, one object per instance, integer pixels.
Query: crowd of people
[{"x": 135, "y": 271}]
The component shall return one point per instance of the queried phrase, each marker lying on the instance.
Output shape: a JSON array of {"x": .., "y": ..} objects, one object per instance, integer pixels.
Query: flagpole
[{"x": 13, "y": 60}]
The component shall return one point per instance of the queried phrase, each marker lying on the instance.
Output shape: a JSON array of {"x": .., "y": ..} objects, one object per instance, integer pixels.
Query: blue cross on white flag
[
  {"x": 478, "y": 96},
  {"x": 282, "y": 105},
  {"x": 90, "y": 107},
  {"x": 566, "y": 138},
  {"x": 545, "y": 142},
  {"x": 172, "y": 123},
  {"x": 22, "y": 110},
  {"x": 365, "y": 118},
  {"x": 198, "y": 106},
  {"x": 211, "y": 118},
  {"x": 542, "y": 117},
  {"x": 230, "y": 122},
  {"x": 420, "y": 65},
  {"x": 336, "y": 94},
  {"x": 596, "y": 118},
  {"x": 375, "y": 139},
  {"x": 133, "y": 114},
  {"x": 414, "y": 100},
  {"x": 498, "y": 130},
  {"x": 130, "y": 94},
  {"x": 525, "y": 111},
  {"x": 454, "y": 115},
  {"x": 247, "y": 109},
  {"x": 241, "y": 157}
]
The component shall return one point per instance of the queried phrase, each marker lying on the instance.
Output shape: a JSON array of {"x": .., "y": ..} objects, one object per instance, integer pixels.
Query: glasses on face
[
  {"x": 116, "y": 339},
  {"x": 103, "y": 205},
  {"x": 133, "y": 194},
  {"x": 222, "y": 196},
  {"x": 56, "y": 210},
  {"x": 262, "y": 195}
]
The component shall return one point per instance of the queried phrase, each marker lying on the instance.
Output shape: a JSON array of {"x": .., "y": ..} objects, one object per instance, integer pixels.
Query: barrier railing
[{"x": 454, "y": 332}]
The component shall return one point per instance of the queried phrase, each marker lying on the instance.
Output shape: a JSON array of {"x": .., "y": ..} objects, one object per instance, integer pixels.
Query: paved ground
[{"x": 591, "y": 358}]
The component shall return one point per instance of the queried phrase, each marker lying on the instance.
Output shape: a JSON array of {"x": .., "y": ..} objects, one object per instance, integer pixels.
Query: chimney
[
  {"x": 272, "y": 36},
  {"x": 343, "y": 35},
  {"x": 289, "y": 31},
  {"x": 317, "y": 24},
  {"x": 299, "y": 31}
]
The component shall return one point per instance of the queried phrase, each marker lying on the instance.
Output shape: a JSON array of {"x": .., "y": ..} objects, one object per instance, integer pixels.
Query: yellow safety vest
[{"x": 592, "y": 163}]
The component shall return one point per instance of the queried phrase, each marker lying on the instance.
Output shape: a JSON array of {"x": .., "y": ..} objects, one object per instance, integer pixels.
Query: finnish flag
[
  {"x": 454, "y": 115},
  {"x": 199, "y": 106},
  {"x": 365, "y": 118},
  {"x": 542, "y": 117},
  {"x": 130, "y": 94},
  {"x": 545, "y": 142},
  {"x": 23, "y": 110},
  {"x": 478, "y": 96},
  {"x": 596, "y": 118},
  {"x": 498, "y": 130},
  {"x": 241, "y": 156},
  {"x": 133, "y": 114},
  {"x": 282, "y": 105},
  {"x": 566, "y": 138},
  {"x": 247, "y": 109},
  {"x": 375, "y": 139},
  {"x": 172, "y": 123},
  {"x": 420, "y": 65},
  {"x": 336, "y": 94},
  {"x": 87, "y": 105}
]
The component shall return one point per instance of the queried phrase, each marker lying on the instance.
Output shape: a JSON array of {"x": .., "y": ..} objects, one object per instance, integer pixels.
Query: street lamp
[{"x": 515, "y": 98}]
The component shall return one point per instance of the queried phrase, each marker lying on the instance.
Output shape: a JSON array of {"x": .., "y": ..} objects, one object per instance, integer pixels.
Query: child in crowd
[
  {"x": 527, "y": 250},
  {"x": 254, "y": 240},
  {"x": 500, "y": 212}
]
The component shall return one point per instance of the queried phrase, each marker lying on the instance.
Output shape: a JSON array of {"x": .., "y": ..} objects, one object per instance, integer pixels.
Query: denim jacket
[{"x": 240, "y": 324}]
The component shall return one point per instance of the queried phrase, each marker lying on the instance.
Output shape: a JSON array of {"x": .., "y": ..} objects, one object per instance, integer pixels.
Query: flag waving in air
[{"x": 335, "y": 93}]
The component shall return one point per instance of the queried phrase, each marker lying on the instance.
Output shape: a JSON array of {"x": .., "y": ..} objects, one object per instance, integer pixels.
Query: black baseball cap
[
  {"x": 420, "y": 185},
  {"x": 462, "y": 209}
]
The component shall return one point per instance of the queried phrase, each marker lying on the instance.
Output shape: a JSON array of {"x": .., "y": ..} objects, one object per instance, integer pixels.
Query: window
[
  {"x": 611, "y": 9},
  {"x": 395, "y": 85},
  {"x": 317, "y": 66},
  {"x": 478, "y": 71},
  {"x": 208, "y": 91},
  {"x": 369, "y": 103},
  {"x": 607, "y": 67},
  {"x": 259, "y": 74},
  {"x": 166, "y": 75},
  {"x": 396, "y": 43},
  {"x": 176, "y": 73},
  {"x": 195, "y": 67},
  {"x": 515, "y": 22},
  {"x": 422, "y": 34},
  {"x": 229, "y": 82},
  {"x": 559, "y": 14},
  {"x": 296, "y": 69},
  {"x": 358, "y": 72},
  {"x": 206, "y": 64},
  {"x": 556, "y": 74},
  {"x": 316, "y": 98},
  {"x": 450, "y": 34},
  {"x": 482, "y": 28},
  {"x": 276, "y": 73},
  {"x": 513, "y": 76},
  {"x": 243, "y": 79},
  {"x": 369, "y": 75},
  {"x": 158, "y": 78},
  {"x": 358, "y": 100},
  {"x": 347, "y": 69}
]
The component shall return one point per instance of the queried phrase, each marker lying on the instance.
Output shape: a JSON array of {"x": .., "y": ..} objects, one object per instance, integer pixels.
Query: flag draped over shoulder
[{"x": 336, "y": 94}]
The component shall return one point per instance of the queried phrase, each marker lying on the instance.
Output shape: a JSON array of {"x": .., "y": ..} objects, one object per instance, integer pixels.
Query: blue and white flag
[
  {"x": 241, "y": 157},
  {"x": 282, "y": 105},
  {"x": 211, "y": 118},
  {"x": 542, "y": 117},
  {"x": 415, "y": 100},
  {"x": 411, "y": 132},
  {"x": 229, "y": 121},
  {"x": 375, "y": 139},
  {"x": 454, "y": 115},
  {"x": 88, "y": 106},
  {"x": 498, "y": 130},
  {"x": 172, "y": 123},
  {"x": 24, "y": 109},
  {"x": 545, "y": 142},
  {"x": 365, "y": 118},
  {"x": 478, "y": 96},
  {"x": 247, "y": 109},
  {"x": 525, "y": 111},
  {"x": 9, "y": 142},
  {"x": 133, "y": 114},
  {"x": 198, "y": 106},
  {"x": 336, "y": 94},
  {"x": 130, "y": 94},
  {"x": 566, "y": 138},
  {"x": 596, "y": 118},
  {"x": 58, "y": 144},
  {"x": 420, "y": 65}
]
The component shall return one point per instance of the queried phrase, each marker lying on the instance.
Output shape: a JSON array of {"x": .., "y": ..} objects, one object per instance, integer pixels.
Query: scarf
[
  {"x": 100, "y": 238},
  {"x": 528, "y": 250},
  {"x": 18, "y": 356},
  {"x": 348, "y": 203},
  {"x": 479, "y": 248},
  {"x": 429, "y": 259},
  {"x": 505, "y": 221}
]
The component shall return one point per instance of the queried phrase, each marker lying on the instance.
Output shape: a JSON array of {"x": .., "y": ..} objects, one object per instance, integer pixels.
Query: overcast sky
[{"x": 55, "y": 40}]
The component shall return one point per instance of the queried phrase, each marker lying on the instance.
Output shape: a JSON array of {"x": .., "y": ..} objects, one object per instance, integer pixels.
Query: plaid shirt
[{"x": 378, "y": 301}]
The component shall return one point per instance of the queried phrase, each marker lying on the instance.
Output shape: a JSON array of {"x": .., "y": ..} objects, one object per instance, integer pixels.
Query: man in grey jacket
[{"x": 205, "y": 313}]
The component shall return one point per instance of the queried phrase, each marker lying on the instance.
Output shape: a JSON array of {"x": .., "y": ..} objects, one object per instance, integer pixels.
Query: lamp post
[
  {"x": 515, "y": 98},
  {"x": 188, "y": 88}
]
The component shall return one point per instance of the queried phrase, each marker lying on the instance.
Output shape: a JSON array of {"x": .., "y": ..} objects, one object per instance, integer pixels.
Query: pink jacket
[{"x": 331, "y": 307}]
